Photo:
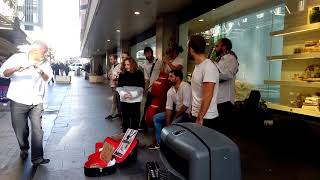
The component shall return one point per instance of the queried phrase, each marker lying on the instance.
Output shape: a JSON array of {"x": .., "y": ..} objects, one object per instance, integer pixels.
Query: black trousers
[
  {"x": 143, "y": 123},
  {"x": 225, "y": 111},
  {"x": 130, "y": 115},
  {"x": 213, "y": 123}
]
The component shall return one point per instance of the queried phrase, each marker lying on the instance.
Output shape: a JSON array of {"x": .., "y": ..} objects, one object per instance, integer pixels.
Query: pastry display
[
  {"x": 296, "y": 99},
  {"x": 314, "y": 14},
  {"x": 242, "y": 89},
  {"x": 312, "y": 103},
  {"x": 309, "y": 47},
  {"x": 311, "y": 73}
]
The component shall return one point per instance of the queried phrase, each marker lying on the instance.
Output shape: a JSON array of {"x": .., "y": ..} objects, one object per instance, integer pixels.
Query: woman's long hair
[{"x": 133, "y": 65}]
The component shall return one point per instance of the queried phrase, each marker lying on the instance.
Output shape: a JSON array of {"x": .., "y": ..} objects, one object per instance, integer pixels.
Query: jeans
[
  {"x": 19, "y": 117},
  {"x": 159, "y": 121}
]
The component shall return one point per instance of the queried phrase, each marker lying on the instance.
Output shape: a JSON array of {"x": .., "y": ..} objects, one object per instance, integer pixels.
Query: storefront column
[
  {"x": 166, "y": 33},
  {"x": 183, "y": 39},
  {"x": 124, "y": 46},
  {"x": 95, "y": 61}
]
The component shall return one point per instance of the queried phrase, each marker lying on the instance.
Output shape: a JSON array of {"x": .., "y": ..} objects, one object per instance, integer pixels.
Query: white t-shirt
[
  {"x": 155, "y": 73},
  {"x": 26, "y": 87},
  {"x": 180, "y": 97},
  {"x": 228, "y": 67},
  {"x": 177, "y": 61},
  {"x": 114, "y": 73},
  {"x": 204, "y": 72}
]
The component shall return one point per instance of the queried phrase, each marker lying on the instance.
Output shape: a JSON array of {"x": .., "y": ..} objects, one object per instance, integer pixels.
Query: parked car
[{"x": 75, "y": 66}]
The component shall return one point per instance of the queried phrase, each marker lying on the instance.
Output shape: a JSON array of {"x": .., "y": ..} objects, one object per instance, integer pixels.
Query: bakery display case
[{"x": 295, "y": 55}]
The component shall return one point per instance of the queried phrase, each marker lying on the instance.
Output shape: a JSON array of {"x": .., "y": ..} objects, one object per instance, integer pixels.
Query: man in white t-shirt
[
  {"x": 174, "y": 61},
  {"x": 29, "y": 73},
  {"x": 151, "y": 73},
  {"x": 177, "y": 106},
  {"x": 227, "y": 63},
  {"x": 113, "y": 76},
  {"x": 204, "y": 84}
]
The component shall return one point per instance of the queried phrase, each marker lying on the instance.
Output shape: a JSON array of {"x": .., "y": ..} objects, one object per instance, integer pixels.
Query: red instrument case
[{"x": 124, "y": 151}]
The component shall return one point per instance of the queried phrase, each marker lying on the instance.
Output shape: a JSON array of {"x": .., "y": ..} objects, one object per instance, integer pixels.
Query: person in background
[
  {"x": 204, "y": 84},
  {"x": 29, "y": 73},
  {"x": 56, "y": 70},
  {"x": 151, "y": 73},
  {"x": 124, "y": 55},
  {"x": 227, "y": 63},
  {"x": 130, "y": 88},
  {"x": 177, "y": 106},
  {"x": 174, "y": 61},
  {"x": 61, "y": 68},
  {"x": 99, "y": 70},
  {"x": 113, "y": 76},
  {"x": 52, "y": 65},
  {"x": 66, "y": 69}
]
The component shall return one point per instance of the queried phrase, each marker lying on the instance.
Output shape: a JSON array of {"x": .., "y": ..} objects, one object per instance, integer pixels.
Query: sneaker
[
  {"x": 154, "y": 146},
  {"x": 108, "y": 117},
  {"x": 24, "y": 154},
  {"x": 40, "y": 161}
]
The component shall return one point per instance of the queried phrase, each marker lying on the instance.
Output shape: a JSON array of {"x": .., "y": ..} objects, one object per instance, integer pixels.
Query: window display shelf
[
  {"x": 293, "y": 110},
  {"x": 301, "y": 56},
  {"x": 294, "y": 83},
  {"x": 298, "y": 29}
]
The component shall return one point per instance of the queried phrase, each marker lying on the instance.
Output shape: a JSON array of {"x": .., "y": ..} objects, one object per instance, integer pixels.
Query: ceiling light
[
  {"x": 201, "y": 20},
  {"x": 136, "y": 12},
  {"x": 259, "y": 16},
  {"x": 108, "y": 40},
  {"x": 118, "y": 30},
  {"x": 244, "y": 20}
]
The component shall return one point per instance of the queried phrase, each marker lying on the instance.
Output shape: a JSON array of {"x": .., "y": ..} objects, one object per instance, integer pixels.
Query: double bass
[{"x": 159, "y": 91}]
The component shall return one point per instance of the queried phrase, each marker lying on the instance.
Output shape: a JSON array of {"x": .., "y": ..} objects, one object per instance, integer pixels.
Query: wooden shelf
[
  {"x": 302, "y": 56},
  {"x": 295, "y": 30},
  {"x": 293, "y": 110},
  {"x": 294, "y": 83}
]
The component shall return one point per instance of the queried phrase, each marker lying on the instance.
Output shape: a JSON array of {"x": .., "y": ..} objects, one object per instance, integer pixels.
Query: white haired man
[{"x": 29, "y": 73}]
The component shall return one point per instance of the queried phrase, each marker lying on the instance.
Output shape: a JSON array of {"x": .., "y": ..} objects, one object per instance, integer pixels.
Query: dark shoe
[
  {"x": 155, "y": 146},
  {"x": 40, "y": 161},
  {"x": 117, "y": 115},
  {"x": 143, "y": 129},
  {"x": 108, "y": 117},
  {"x": 24, "y": 154}
]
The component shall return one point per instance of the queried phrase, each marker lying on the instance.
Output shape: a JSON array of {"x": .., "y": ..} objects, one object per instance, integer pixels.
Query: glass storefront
[
  {"x": 251, "y": 42},
  {"x": 136, "y": 51},
  {"x": 278, "y": 50}
]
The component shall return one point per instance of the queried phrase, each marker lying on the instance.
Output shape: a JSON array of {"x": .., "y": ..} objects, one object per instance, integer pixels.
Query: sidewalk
[
  {"x": 79, "y": 125},
  {"x": 73, "y": 122}
]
